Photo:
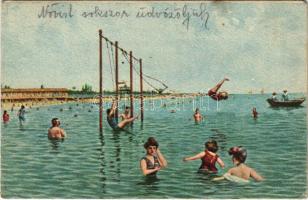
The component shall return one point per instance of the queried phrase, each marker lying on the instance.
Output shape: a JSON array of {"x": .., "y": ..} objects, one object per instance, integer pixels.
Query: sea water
[{"x": 93, "y": 164}]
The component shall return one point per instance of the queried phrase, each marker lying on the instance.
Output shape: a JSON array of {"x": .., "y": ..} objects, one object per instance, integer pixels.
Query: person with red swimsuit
[
  {"x": 208, "y": 158},
  {"x": 217, "y": 96}
]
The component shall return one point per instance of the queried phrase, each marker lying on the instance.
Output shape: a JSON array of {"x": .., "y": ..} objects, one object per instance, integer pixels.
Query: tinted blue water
[{"x": 92, "y": 165}]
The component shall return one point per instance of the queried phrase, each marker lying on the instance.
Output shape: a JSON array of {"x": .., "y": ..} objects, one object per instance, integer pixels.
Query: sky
[{"x": 255, "y": 44}]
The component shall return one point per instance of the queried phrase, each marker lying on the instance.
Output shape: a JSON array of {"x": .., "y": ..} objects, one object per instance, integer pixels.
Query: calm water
[{"x": 92, "y": 165}]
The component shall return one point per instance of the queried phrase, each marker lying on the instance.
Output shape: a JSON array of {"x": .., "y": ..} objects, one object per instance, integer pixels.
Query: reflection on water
[
  {"x": 55, "y": 143},
  {"x": 149, "y": 183},
  {"x": 220, "y": 138},
  {"x": 102, "y": 163}
]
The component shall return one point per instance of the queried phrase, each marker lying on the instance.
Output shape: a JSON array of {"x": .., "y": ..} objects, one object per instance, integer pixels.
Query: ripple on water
[{"x": 89, "y": 164}]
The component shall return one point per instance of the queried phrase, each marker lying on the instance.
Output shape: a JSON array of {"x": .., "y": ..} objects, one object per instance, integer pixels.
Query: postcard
[{"x": 154, "y": 99}]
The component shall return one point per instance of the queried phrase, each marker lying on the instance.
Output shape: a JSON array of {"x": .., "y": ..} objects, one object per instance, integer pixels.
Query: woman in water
[
  {"x": 214, "y": 94},
  {"x": 242, "y": 171},
  {"x": 154, "y": 160},
  {"x": 5, "y": 117},
  {"x": 208, "y": 158}
]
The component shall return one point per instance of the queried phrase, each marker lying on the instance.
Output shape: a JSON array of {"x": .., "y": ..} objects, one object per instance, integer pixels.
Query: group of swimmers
[
  {"x": 154, "y": 161},
  {"x": 20, "y": 114}
]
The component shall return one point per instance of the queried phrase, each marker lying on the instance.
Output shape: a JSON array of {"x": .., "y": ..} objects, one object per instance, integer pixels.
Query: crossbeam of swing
[{"x": 121, "y": 49}]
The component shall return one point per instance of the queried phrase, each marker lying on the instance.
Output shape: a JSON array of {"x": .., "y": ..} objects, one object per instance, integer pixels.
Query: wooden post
[
  {"x": 131, "y": 84},
  {"x": 100, "y": 82},
  {"x": 141, "y": 91},
  {"x": 117, "y": 79}
]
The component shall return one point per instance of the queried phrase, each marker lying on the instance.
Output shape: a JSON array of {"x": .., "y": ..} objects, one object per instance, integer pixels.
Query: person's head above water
[
  {"x": 151, "y": 146},
  {"x": 150, "y": 142},
  {"x": 274, "y": 93},
  {"x": 5, "y": 112},
  {"x": 22, "y": 106},
  {"x": 239, "y": 154},
  {"x": 211, "y": 146},
  {"x": 285, "y": 91},
  {"x": 55, "y": 122},
  {"x": 127, "y": 110}
]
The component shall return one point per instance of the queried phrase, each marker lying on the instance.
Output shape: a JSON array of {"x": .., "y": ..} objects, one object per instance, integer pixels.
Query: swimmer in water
[
  {"x": 214, "y": 94},
  {"x": 112, "y": 120},
  {"x": 55, "y": 132},
  {"x": 255, "y": 113},
  {"x": 197, "y": 116},
  {"x": 21, "y": 114},
  {"x": 5, "y": 117},
  {"x": 126, "y": 114},
  {"x": 154, "y": 160},
  {"x": 239, "y": 155},
  {"x": 208, "y": 158}
]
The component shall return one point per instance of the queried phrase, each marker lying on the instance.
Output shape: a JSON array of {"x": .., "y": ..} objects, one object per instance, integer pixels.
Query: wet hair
[
  {"x": 150, "y": 142},
  {"x": 5, "y": 112},
  {"x": 54, "y": 121},
  {"x": 211, "y": 146},
  {"x": 274, "y": 93},
  {"x": 239, "y": 153},
  {"x": 108, "y": 111},
  {"x": 22, "y": 106}
]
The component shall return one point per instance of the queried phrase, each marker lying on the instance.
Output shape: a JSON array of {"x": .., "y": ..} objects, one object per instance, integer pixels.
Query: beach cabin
[{"x": 33, "y": 94}]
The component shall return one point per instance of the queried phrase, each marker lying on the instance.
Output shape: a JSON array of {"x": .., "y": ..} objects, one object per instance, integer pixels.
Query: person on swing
[
  {"x": 217, "y": 96},
  {"x": 112, "y": 121}
]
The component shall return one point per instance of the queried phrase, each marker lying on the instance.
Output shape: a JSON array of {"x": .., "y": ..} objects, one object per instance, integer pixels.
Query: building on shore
[{"x": 34, "y": 94}]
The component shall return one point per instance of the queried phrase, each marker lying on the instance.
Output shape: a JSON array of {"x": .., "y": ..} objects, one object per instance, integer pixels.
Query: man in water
[
  {"x": 126, "y": 114},
  {"x": 214, "y": 94},
  {"x": 55, "y": 132},
  {"x": 21, "y": 114},
  {"x": 112, "y": 121},
  {"x": 197, "y": 116}
]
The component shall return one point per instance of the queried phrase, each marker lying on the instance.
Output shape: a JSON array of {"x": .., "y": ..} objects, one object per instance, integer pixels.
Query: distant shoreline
[{"x": 108, "y": 98}]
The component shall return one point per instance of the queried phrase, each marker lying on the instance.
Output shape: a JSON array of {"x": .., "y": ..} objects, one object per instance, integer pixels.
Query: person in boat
[
  {"x": 214, "y": 94},
  {"x": 154, "y": 160},
  {"x": 208, "y": 158},
  {"x": 242, "y": 171},
  {"x": 274, "y": 97},
  {"x": 285, "y": 96},
  {"x": 126, "y": 114},
  {"x": 55, "y": 132},
  {"x": 112, "y": 121},
  {"x": 197, "y": 116},
  {"x": 254, "y": 113}
]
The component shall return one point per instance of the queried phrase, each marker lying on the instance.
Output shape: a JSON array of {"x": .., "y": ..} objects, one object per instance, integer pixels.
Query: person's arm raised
[
  {"x": 198, "y": 156},
  {"x": 113, "y": 107}
]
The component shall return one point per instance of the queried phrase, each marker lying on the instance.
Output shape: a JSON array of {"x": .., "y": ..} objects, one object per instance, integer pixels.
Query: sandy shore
[{"x": 31, "y": 104}]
